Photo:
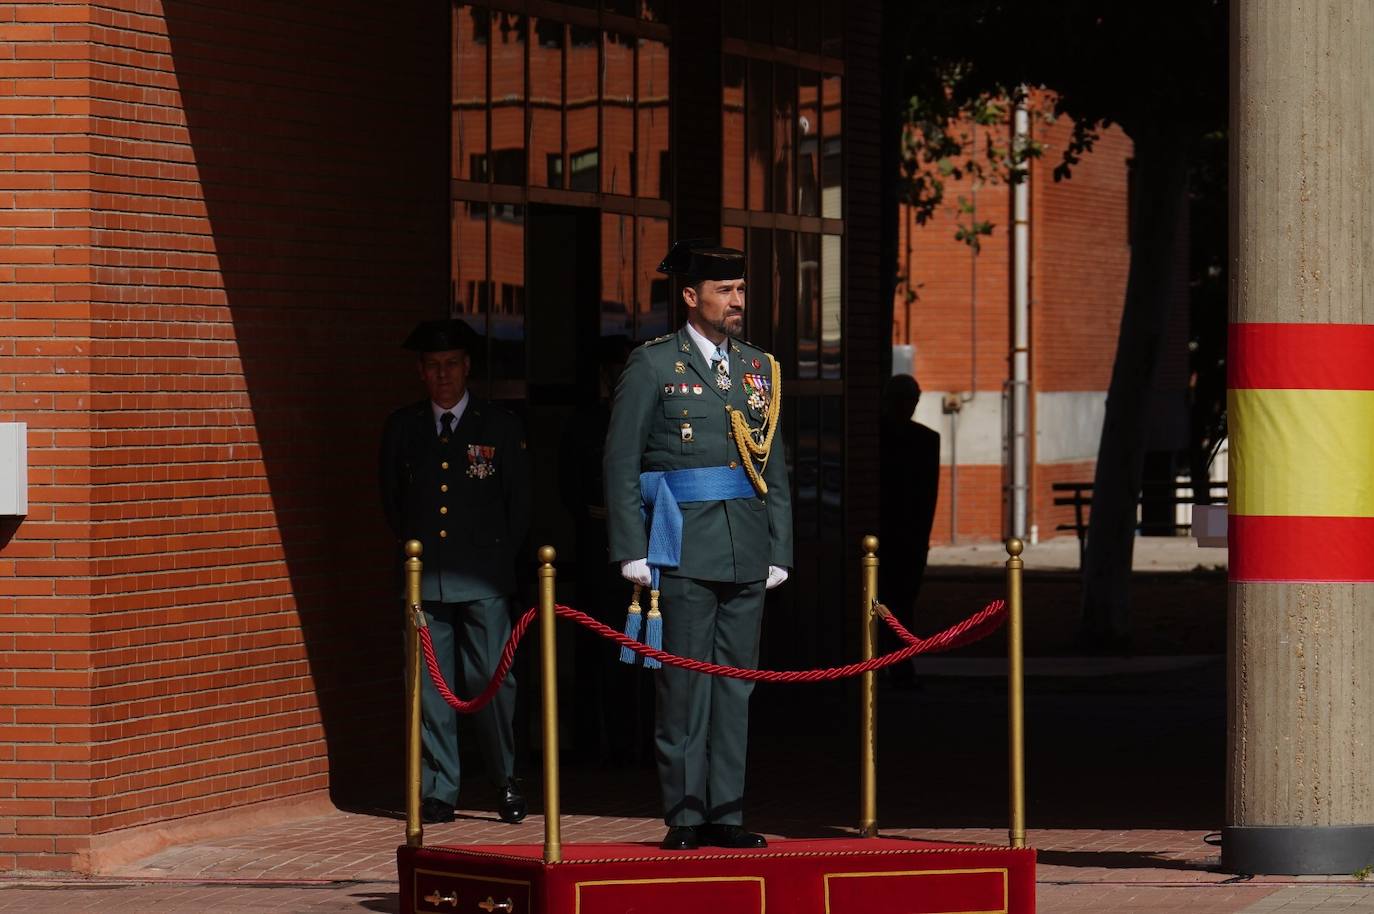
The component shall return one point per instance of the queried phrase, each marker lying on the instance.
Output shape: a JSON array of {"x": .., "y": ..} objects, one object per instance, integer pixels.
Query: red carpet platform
[{"x": 823, "y": 876}]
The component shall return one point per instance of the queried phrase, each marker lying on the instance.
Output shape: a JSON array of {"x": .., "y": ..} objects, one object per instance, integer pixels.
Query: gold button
[
  {"x": 444, "y": 487},
  {"x": 444, "y": 465},
  {"x": 443, "y": 509},
  {"x": 684, "y": 412},
  {"x": 443, "y": 534},
  {"x": 733, "y": 464}
]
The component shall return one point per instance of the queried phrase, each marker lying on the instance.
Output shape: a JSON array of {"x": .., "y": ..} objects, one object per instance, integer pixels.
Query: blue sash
[{"x": 662, "y": 492}]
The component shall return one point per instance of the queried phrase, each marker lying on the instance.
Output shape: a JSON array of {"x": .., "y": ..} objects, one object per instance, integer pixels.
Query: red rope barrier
[{"x": 977, "y": 626}]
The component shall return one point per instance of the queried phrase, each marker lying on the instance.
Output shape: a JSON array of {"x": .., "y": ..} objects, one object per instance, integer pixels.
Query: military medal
[
  {"x": 682, "y": 369},
  {"x": 758, "y": 387},
  {"x": 686, "y": 432},
  {"x": 668, "y": 389},
  {"x": 481, "y": 461},
  {"x": 682, "y": 387},
  {"x": 696, "y": 389},
  {"x": 722, "y": 376},
  {"x": 756, "y": 364}
]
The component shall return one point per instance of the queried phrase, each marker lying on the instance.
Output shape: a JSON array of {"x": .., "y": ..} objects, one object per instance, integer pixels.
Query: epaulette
[{"x": 659, "y": 339}]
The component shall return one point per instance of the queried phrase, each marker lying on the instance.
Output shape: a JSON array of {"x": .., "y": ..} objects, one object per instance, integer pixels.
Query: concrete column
[{"x": 1300, "y": 784}]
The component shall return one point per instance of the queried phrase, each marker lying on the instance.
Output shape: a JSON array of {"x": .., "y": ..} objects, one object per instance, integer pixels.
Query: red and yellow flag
[{"x": 1300, "y": 410}]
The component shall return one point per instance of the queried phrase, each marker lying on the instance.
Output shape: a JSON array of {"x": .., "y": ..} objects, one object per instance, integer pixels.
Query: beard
[{"x": 724, "y": 325}]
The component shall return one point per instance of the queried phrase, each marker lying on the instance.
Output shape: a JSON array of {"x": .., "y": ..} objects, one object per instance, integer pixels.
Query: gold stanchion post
[
  {"x": 415, "y": 617},
  {"x": 868, "y": 729},
  {"x": 553, "y": 842},
  {"x": 1016, "y": 695}
]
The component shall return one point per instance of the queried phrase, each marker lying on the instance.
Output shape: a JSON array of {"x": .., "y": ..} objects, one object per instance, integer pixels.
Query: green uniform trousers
[
  {"x": 468, "y": 639},
  {"x": 702, "y": 731}
]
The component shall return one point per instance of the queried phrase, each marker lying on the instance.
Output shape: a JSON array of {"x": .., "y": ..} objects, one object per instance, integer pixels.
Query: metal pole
[
  {"x": 868, "y": 712},
  {"x": 1016, "y": 695},
  {"x": 415, "y": 617},
  {"x": 1020, "y": 343},
  {"x": 553, "y": 843}
]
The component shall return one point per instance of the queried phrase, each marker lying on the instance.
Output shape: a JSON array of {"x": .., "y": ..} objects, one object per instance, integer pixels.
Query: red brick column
[{"x": 220, "y": 225}]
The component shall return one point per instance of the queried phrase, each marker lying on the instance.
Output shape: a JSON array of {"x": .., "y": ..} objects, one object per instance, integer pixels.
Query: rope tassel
[
  {"x": 653, "y": 631},
  {"x": 633, "y": 618}
]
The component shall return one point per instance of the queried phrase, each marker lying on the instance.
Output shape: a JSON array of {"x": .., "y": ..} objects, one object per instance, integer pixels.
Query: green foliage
[
  {"x": 1102, "y": 63},
  {"x": 1363, "y": 872}
]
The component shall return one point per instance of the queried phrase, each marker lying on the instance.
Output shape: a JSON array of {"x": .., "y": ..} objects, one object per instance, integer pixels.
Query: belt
[{"x": 662, "y": 492}]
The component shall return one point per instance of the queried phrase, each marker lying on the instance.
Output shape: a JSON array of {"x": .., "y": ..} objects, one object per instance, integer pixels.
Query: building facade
[
  {"x": 952, "y": 329},
  {"x": 218, "y": 224}
]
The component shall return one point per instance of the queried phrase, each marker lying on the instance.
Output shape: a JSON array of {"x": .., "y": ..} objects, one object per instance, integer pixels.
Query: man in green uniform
[
  {"x": 698, "y": 507},
  {"x": 455, "y": 476}
]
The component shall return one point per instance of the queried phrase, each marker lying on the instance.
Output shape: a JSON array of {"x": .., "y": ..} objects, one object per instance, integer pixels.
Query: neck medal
[{"x": 722, "y": 376}]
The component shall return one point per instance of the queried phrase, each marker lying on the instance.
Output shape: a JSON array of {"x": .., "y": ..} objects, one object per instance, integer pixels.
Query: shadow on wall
[{"x": 320, "y": 136}]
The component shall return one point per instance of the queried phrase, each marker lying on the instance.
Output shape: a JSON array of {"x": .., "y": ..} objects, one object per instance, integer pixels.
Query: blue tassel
[
  {"x": 653, "y": 631},
  {"x": 632, "y": 622}
]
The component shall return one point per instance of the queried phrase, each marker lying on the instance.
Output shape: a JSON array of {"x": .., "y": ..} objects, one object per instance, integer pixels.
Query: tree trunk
[{"x": 1158, "y": 206}]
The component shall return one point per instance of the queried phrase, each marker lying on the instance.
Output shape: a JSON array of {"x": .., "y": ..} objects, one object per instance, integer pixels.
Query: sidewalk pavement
[
  {"x": 1151, "y": 553},
  {"x": 1136, "y": 741},
  {"x": 344, "y": 862}
]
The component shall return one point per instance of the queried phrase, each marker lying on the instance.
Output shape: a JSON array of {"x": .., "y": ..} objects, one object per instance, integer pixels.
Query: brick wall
[
  {"x": 217, "y": 224},
  {"x": 959, "y": 320}
]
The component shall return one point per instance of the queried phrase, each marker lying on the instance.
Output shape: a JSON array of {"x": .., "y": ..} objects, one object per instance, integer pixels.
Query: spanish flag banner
[{"x": 1300, "y": 409}]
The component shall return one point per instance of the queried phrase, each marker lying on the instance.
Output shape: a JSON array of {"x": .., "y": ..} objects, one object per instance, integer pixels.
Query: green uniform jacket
[
  {"x": 655, "y": 425},
  {"x": 467, "y": 501}
]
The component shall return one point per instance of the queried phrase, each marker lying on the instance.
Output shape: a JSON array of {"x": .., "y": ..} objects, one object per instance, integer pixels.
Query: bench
[{"x": 1172, "y": 494}]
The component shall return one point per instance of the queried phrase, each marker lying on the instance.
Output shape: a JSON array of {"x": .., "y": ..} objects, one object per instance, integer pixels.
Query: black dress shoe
[
  {"x": 512, "y": 807},
  {"x": 733, "y": 836},
  {"x": 434, "y": 812},
  {"x": 680, "y": 838}
]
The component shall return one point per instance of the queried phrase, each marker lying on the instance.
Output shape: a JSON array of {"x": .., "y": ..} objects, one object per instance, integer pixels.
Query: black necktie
[{"x": 446, "y": 421}]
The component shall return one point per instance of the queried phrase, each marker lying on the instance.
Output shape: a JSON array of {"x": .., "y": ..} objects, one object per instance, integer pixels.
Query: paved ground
[
  {"x": 1125, "y": 767},
  {"x": 1152, "y": 553}
]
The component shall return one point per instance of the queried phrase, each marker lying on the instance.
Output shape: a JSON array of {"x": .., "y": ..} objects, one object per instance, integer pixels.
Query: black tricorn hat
[
  {"x": 441, "y": 336},
  {"x": 701, "y": 258}
]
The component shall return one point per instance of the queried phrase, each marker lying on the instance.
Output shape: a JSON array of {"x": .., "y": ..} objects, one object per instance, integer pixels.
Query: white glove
[
  {"x": 776, "y": 576},
  {"x": 636, "y": 571}
]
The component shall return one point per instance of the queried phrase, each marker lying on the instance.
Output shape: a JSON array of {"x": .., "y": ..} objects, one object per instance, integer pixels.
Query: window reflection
[
  {"x": 832, "y": 294},
  {"x": 808, "y": 142},
  {"x": 655, "y": 10},
  {"x": 808, "y": 305},
  {"x": 506, "y": 313},
  {"x": 652, "y": 106},
  {"x": 783, "y": 320},
  {"x": 832, "y": 175},
  {"x": 617, "y": 274},
  {"x": 784, "y": 132},
  {"x": 652, "y": 288},
  {"x": 471, "y": 28},
  {"x": 508, "y": 98},
  {"x": 583, "y": 45},
  {"x": 469, "y": 263},
  {"x": 617, "y": 114},
  {"x": 732, "y": 133},
  {"x": 759, "y": 300},
  {"x": 546, "y": 103},
  {"x": 758, "y": 133}
]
